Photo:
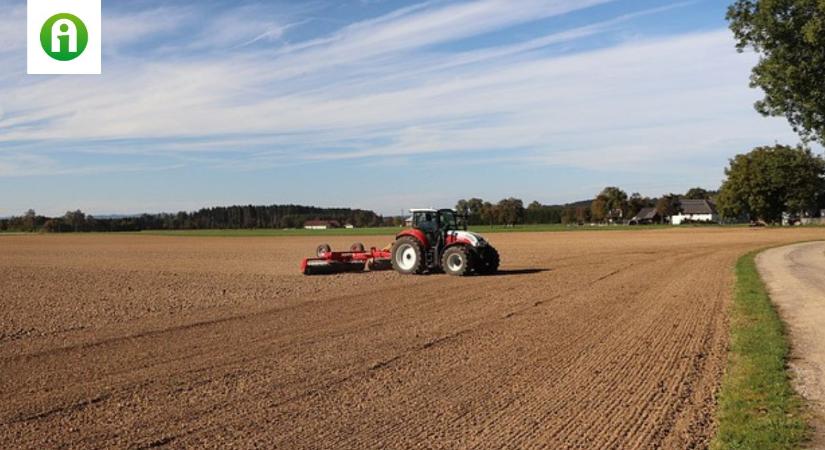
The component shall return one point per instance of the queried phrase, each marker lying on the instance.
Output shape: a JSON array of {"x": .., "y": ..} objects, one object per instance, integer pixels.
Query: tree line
[
  {"x": 761, "y": 185},
  {"x": 611, "y": 205},
  {"x": 230, "y": 217}
]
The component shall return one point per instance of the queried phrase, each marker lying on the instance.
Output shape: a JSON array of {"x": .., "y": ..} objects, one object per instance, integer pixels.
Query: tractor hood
[{"x": 474, "y": 239}]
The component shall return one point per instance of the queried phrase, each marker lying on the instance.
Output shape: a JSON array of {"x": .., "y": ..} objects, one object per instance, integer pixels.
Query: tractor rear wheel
[
  {"x": 457, "y": 261},
  {"x": 407, "y": 256},
  {"x": 488, "y": 262}
]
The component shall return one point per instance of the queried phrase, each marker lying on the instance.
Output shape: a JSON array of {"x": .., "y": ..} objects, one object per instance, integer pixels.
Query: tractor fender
[
  {"x": 459, "y": 244},
  {"x": 417, "y": 234}
]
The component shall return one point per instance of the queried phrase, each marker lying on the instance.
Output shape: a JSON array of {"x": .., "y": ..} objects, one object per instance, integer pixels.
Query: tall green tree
[
  {"x": 533, "y": 213},
  {"x": 599, "y": 208},
  {"x": 29, "y": 220},
  {"x": 789, "y": 36},
  {"x": 474, "y": 207},
  {"x": 489, "y": 213},
  {"x": 610, "y": 204},
  {"x": 635, "y": 204},
  {"x": 75, "y": 219},
  {"x": 568, "y": 215},
  {"x": 462, "y": 208},
  {"x": 668, "y": 205},
  {"x": 511, "y": 211},
  {"x": 697, "y": 193},
  {"x": 768, "y": 181},
  {"x": 583, "y": 215}
]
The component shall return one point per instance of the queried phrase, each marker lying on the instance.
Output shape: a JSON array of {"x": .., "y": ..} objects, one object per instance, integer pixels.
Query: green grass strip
[{"x": 758, "y": 408}]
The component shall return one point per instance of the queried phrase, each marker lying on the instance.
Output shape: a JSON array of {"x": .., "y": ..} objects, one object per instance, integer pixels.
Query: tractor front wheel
[
  {"x": 457, "y": 261},
  {"x": 407, "y": 256}
]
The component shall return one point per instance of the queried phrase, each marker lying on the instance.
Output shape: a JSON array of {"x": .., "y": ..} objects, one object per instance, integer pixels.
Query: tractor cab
[
  {"x": 440, "y": 227},
  {"x": 432, "y": 221},
  {"x": 438, "y": 237}
]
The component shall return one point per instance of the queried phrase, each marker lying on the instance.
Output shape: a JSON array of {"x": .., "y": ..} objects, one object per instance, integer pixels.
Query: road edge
[{"x": 756, "y": 405}]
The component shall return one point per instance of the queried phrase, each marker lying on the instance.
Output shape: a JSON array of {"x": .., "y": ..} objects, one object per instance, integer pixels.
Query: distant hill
[
  {"x": 218, "y": 217},
  {"x": 578, "y": 204},
  {"x": 115, "y": 216}
]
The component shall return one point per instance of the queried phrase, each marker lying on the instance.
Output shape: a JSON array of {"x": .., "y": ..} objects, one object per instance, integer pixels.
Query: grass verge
[{"x": 758, "y": 408}]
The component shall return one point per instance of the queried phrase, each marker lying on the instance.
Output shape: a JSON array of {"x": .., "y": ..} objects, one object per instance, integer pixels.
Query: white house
[
  {"x": 321, "y": 224},
  {"x": 695, "y": 211}
]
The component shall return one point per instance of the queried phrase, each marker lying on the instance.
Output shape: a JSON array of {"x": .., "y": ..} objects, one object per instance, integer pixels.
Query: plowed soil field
[{"x": 585, "y": 340}]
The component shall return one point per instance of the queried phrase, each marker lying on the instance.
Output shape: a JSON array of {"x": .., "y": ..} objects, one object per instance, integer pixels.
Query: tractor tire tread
[{"x": 489, "y": 260}]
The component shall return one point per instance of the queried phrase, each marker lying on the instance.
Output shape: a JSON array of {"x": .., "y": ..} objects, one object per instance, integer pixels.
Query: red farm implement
[{"x": 356, "y": 259}]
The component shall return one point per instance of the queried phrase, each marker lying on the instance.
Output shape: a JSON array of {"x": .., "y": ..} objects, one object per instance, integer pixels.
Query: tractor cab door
[
  {"x": 450, "y": 222},
  {"x": 427, "y": 222}
]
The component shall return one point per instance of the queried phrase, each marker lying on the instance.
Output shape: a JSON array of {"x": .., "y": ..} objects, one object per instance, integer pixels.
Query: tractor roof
[{"x": 430, "y": 210}]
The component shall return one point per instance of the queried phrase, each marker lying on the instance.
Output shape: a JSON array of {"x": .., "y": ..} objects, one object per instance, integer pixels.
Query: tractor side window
[{"x": 426, "y": 222}]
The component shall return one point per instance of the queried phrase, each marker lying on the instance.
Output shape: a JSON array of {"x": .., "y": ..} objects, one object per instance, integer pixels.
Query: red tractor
[{"x": 438, "y": 240}]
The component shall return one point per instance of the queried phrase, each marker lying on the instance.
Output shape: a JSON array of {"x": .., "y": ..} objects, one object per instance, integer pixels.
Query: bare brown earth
[
  {"x": 795, "y": 276},
  {"x": 586, "y": 340}
]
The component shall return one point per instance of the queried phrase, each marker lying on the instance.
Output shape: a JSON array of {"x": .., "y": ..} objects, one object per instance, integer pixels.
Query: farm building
[
  {"x": 646, "y": 216},
  {"x": 321, "y": 224},
  {"x": 695, "y": 211}
]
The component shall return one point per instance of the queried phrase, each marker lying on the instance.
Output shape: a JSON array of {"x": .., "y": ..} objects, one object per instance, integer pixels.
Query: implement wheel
[{"x": 322, "y": 249}]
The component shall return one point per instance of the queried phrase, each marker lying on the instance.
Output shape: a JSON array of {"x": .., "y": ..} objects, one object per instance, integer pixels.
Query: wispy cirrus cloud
[{"x": 242, "y": 91}]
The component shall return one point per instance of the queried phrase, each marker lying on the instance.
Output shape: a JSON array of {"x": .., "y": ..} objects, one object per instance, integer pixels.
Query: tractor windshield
[{"x": 448, "y": 220}]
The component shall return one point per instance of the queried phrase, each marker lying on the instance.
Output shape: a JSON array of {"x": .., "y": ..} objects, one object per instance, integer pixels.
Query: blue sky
[{"x": 383, "y": 105}]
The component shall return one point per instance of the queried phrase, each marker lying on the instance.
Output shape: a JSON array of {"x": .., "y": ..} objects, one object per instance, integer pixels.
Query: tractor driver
[{"x": 427, "y": 223}]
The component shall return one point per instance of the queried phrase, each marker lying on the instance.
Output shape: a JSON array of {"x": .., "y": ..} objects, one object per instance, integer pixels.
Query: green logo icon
[{"x": 64, "y": 37}]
